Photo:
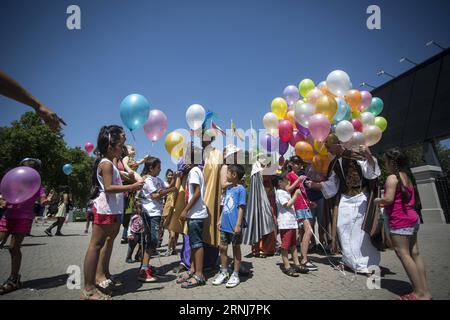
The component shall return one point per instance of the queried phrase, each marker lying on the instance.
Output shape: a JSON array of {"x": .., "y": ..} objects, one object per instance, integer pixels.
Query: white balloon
[
  {"x": 372, "y": 134},
  {"x": 270, "y": 121},
  {"x": 344, "y": 130},
  {"x": 195, "y": 116},
  {"x": 338, "y": 82},
  {"x": 304, "y": 109},
  {"x": 356, "y": 140},
  {"x": 367, "y": 118}
]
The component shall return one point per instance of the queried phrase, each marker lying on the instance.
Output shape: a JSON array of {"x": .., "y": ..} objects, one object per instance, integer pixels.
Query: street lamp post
[
  {"x": 403, "y": 59},
  {"x": 432, "y": 42},
  {"x": 365, "y": 84},
  {"x": 381, "y": 72}
]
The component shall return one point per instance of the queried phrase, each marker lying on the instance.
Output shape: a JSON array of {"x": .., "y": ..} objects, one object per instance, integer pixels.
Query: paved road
[{"x": 46, "y": 260}]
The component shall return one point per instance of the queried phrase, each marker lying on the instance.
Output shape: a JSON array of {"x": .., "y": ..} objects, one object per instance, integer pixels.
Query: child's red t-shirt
[{"x": 302, "y": 199}]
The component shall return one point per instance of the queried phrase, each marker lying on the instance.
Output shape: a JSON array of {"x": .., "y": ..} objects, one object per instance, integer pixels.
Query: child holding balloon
[
  {"x": 18, "y": 217},
  {"x": 301, "y": 206},
  {"x": 108, "y": 206}
]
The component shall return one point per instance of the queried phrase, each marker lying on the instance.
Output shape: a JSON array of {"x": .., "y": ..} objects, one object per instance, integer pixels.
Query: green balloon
[
  {"x": 376, "y": 106},
  {"x": 381, "y": 123},
  {"x": 305, "y": 86}
]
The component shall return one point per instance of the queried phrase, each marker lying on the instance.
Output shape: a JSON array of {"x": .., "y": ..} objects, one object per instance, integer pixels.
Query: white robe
[{"x": 358, "y": 253}]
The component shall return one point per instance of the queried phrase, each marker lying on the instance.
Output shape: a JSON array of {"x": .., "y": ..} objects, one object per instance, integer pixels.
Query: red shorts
[
  {"x": 15, "y": 225},
  {"x": 288, "y": 238},
  {"x": 99, "y": 218}
]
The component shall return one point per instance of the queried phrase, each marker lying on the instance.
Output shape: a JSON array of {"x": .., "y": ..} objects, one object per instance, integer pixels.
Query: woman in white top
[{"x": 108, "y": 206}]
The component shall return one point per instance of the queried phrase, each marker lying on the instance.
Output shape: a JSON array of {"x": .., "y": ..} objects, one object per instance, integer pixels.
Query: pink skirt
[{"x": 15, "y": 225}]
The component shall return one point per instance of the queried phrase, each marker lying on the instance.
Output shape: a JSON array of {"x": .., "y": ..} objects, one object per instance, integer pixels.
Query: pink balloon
[
  {"x": 313, "y": 95},
  {"x": 366, "y": 100},
  {"x": 357, "y": 125},
  {"x": 88, "y": 147},
  {"x": 20, "y": 184},
  {"x": 296, "y": 137},
  {"x": 319, "y": 126},
  {"x": 156, "y": 125},
  {"x": 285, "y": 130}
]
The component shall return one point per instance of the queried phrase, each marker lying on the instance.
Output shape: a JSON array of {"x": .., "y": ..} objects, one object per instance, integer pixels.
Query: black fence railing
[{"x": 443, "y": 189}]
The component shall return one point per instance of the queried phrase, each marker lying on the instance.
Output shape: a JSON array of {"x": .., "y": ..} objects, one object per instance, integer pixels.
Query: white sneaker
[
  {"x": 221, "y": 278},
  {"x": 233, "y": 282}
]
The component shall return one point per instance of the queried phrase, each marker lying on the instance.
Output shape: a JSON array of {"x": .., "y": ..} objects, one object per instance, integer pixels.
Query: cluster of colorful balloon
[
  {"x": 135, "y": 113},
  {"x": 305, "y": 116}
]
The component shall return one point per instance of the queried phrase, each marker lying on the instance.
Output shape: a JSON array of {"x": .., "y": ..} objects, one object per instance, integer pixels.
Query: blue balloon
[
  {"x": 376, "y": 106},
  {"x": 134, "y": 110},
  {"x": 343, "y": 111},
  {"x": 67, "y": 168}
]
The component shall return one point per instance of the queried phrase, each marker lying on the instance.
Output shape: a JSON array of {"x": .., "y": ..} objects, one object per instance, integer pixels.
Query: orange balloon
[
  {"x": 327, "y": 106},
  {"x": 353, "y": 99},
  {"x": 290, "y": 116},
  {"x": 320, "y": 163},
  {"x": 304, "y": 150}
]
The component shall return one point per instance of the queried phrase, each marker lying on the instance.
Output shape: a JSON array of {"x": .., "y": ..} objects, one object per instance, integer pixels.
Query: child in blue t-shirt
[{"x": 231, "y": 222}]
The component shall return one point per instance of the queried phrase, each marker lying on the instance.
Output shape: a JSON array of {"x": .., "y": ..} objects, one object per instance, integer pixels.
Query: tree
[{"x": 29, "y": 137}]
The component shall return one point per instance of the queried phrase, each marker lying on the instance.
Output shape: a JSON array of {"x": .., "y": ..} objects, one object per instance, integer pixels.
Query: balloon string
[{"x": 132, "y": 134}]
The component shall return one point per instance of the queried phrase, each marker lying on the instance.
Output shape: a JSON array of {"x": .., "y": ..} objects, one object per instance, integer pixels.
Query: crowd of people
[{"x": 206, "y": 200}]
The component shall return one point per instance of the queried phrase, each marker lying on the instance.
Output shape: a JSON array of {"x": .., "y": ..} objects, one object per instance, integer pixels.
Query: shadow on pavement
[
  {"x": 397, "y": 287},
  {"x": 32, "y": 244},
  {"x": 132, "y": 285},
  {"x": 46, "y": 283}
]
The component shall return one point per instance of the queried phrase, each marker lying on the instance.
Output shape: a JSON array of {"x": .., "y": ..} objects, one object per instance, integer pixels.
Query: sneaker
[
  {"x": 48, "y": 232},
  {"x": 59, "y": 234},
  {"x": 123, "y": 241},
  {"x": 129, "y": 260},
  {"x": 222, "y": 277},
  {"x": 308, "y": 265},
  {"x": 233, "y": 281},
  {"x": 146, "y": 275}
]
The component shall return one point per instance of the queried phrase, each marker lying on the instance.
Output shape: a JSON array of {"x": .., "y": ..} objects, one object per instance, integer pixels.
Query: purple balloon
[
  {"x": 291, "y": 94},
  {"x": 20, "y": 184},
  {"x": 156, "y": 125},
  {"x": 269, "y": 143},
  {"x": 284, "y": 146},
  {"x": 304, "y": 131}
]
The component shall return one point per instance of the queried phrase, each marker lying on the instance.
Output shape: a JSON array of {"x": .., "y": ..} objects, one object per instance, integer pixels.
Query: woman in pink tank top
[{"x": 404, "y": 223}]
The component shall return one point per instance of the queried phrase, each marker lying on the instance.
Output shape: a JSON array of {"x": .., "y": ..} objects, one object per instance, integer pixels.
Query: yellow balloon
[
  {"x": 320, "y": 148},
  {"x": 327, "y": 106},
  {"x": 356, "y": 114},
  {"x": 174, "y": 144},
  {"x": 279, "y": 107}
]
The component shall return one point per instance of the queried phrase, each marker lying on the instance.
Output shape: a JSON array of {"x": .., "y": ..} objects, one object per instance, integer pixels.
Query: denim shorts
[
  {"x": 195, "y": 232},
  {"x": 409, "y": 231},
  {"x": 303, "y": 214},
  {"x": 151, "y": 231},
  {"x": 227, "y": 238}
]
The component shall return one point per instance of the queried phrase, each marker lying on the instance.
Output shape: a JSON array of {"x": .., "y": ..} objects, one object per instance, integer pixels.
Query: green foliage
[{"x": 29, "y": 137}]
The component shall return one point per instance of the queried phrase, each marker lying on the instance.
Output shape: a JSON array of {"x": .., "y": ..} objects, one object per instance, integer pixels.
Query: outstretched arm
[{"x": 11, "y": 89}]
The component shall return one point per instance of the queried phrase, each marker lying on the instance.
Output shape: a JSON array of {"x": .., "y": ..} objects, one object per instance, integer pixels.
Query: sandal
[
  {"x": 184, "y": 277},
  {"x": 94, "y": 294},
  {"x": 301, "y": 269},
  {"x": 10, "y": 285},
  {"x": 106, "y": 286},
  {"x": 198, "y": 282},
  {"x": 290, "y": 272}
]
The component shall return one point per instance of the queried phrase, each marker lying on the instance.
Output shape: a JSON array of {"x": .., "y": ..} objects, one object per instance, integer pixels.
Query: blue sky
[{"x": 233, "y": 57}]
